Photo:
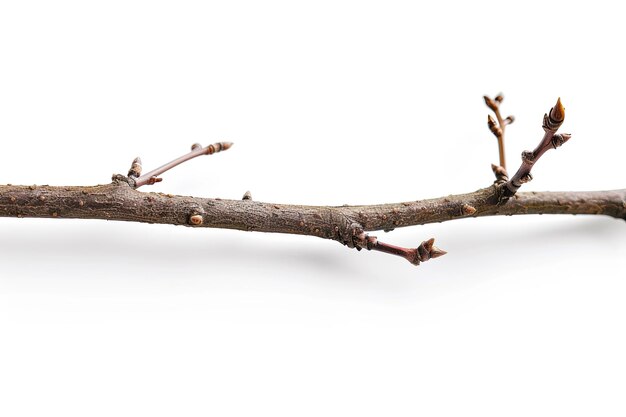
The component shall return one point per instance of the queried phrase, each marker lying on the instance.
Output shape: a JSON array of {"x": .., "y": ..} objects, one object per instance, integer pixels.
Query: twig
[
  {"x": 551, "y": 140},
  {"x": 153, "y": 176},
  {"x": 498, "y": 126}
]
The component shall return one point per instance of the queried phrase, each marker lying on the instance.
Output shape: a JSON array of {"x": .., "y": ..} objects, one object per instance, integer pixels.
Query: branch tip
[
  {"x": 554, "y": 118},
  {"x": 557, "y": 112}
]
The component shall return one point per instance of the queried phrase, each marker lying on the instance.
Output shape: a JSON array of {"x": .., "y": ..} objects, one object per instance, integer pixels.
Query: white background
[{"x": 327, "y": 103}]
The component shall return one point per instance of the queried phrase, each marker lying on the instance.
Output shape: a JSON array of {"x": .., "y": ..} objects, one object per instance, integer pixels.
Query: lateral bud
[
  {"x": 559, "y": 139},
  {"x": 500, "y": 173},
  {"x": 135, "y": 168},
  {"x": 528, "y": 157},
  {"x": 493, "y": 105},
  {"x": 493, "y": 126}
]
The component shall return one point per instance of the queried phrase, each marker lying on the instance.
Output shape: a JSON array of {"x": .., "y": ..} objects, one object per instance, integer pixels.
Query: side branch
[
  {"x": 498, "y": 126},
  {"x": 152, "y": 177},
  {"x": 551, "y": 140}
]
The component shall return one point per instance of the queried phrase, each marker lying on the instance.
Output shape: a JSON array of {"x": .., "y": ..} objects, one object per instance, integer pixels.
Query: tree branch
[{"x": 120, "y": 200}]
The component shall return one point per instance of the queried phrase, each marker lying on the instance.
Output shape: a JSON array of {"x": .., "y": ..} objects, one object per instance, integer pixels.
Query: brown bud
[
  {"x": 557, "y": 113},
  {"x": 499, "y": 172},
  {"x": 528, "y": 157},
  {"x": 493, "y": 126},
  {"x": 247, "y": 196},
  {"x": 427, "y": 250},
  {"x": 559, "y": 139},
  {"x": 509, "y": 120},
  {"x": 499, "y": 98},
  {"x": 154, "y": 180},
  {"x": 490, "y": 103},
  {"x": 554, "y": 119},
  {"x": 135, "y": 168},
  {"x": 195, "y": 146}
]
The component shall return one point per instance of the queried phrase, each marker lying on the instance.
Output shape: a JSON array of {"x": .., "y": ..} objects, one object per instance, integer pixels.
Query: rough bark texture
[{"x": 345, "y": 224}]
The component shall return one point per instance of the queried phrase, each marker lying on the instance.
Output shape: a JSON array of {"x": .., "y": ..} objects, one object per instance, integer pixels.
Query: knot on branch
[{"x": 118, "y": 179}]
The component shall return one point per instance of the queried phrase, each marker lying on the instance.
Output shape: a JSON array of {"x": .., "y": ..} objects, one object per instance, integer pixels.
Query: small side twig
[
  {"x": 498, "y": 126},
  {"x": 425, "y": 251},
  {"x": 551, "y": 140},
  {"x": 153, "y": 176}
]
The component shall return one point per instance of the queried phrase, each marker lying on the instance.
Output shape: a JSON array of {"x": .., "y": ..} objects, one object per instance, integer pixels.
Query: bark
[{"x": 345, "y": 224}]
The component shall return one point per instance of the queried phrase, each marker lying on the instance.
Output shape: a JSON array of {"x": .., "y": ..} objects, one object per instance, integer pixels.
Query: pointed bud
[
  {"x": 559, "y": 139},
  {"x": 509, "y": 120},
  {"x": 436, "y": 252},
  {"x": 135, "y": 168},
  {"x": 499, "y": 172},
  {"x": 427, "y": 250},
  {"x": 499, "y": 98},
  {"x": 493, "y": 126},
  {"x": 557, "y": 113},
  {"x": 554, "y": 119},
  {"x": 490, "y": 103},
  {"x": 226, "y": 145}
]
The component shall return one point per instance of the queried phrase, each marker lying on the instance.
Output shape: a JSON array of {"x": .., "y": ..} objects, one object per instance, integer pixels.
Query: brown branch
[{"x": 120, "y": 200}]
